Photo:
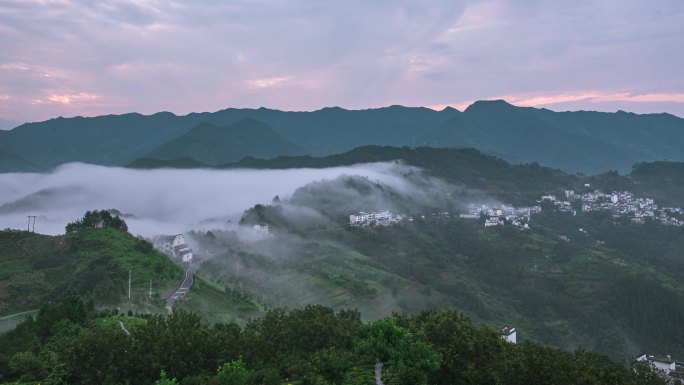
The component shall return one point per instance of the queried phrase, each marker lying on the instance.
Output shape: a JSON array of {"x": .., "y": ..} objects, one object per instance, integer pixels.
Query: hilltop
[
  {"x": 582, "y": 141},
  {"x": 36, "y": 269}
]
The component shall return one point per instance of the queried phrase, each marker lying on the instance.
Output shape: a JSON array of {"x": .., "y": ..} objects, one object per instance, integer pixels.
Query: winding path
[
  {"x": 184, "y": 287},
  {"x": 123, "y": 327}
]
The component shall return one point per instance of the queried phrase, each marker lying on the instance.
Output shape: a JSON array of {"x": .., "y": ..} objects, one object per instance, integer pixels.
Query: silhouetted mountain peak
[
  {"x": 490, "y": 105},
  {"x": 333, "y": 108},
  {"x": 449, "y": 109}
]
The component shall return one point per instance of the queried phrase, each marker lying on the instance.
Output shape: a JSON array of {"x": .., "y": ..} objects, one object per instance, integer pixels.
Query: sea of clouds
[{"x": 165, "y": 201}]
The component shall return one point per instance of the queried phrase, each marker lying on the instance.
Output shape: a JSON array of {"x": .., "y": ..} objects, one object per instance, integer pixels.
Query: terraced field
[{"x": 218, "y": 305}]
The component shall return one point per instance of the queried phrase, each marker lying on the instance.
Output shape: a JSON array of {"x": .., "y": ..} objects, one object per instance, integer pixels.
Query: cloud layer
[
  {"x": 161, "y": 201},
  {"x": 75, "y": 57}
]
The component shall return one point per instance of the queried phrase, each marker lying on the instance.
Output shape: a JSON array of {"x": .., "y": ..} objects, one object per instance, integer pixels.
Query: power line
[{"x": 28, "y": 227}]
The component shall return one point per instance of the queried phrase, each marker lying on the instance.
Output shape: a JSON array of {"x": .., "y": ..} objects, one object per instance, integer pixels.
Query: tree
[
  {"x": 99, "y": 355},
  {"x": 332, "y": 364},
  {"x": 163, "y": 380},
  {"x": 181, "y": 344},
  {"x": 232, "y": 373},
  {"x": 72, "y": 307},
  {"x": 26, "y": 366},
  {"x": 384, "y": 341}
]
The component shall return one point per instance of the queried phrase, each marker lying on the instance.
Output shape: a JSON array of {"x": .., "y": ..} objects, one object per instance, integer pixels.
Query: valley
[{"x": 559, "y": 275}]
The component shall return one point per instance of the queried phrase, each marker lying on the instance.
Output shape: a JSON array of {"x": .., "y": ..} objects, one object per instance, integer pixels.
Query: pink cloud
[
  {"x": 68, "y": 98},
  {"x": 268, "y": 82},
  {"x": 595, "y": 97}
]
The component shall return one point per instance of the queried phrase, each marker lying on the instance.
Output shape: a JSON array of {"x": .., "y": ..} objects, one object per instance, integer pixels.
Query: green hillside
[
  {"x": 212, "y": 144},
  {"x": 36, "y": 269},
  {"x": 599, "y": 288}
]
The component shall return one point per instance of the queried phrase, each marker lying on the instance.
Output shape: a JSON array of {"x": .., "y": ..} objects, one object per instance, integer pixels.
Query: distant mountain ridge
[
  {"x": 13, "y": 163},
  {"x": 583, "y": 141},
  {"x": 211, "y": 144}
]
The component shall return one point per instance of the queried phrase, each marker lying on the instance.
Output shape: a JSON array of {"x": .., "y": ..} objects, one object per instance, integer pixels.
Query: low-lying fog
[{"x": 159, "y": 201}]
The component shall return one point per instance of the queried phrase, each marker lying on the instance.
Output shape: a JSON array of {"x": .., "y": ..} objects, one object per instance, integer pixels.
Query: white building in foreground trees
[{"x": 509, "y": 334}]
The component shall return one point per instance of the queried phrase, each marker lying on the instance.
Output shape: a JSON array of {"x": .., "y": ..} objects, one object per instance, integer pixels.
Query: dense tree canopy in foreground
[{"x": 68, "y": 343}]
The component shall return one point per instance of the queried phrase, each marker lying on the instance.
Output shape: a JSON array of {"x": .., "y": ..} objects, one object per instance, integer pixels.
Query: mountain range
[{"x": 581, "y": 141}]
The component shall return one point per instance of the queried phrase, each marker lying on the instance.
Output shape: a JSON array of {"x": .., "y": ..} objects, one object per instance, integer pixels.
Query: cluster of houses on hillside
[
  {"x": 173, "y": 246},
  {"x": 495, "y": 215},
  {"x": 381, "y": 218},
  {"x": 620, "y": 204}
]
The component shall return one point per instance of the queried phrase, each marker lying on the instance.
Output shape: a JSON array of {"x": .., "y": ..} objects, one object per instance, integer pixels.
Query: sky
[{"x": 81, "y": 57}]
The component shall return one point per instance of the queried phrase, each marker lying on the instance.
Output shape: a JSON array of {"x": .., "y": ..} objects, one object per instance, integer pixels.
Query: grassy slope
[
  {"x": 216, "y": 304},
  {"x": 37, "y": 268}
]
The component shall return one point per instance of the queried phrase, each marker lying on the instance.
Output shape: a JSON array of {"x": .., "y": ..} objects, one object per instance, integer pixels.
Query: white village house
[
  {"x": 173, "y": 245},
  {"x": 166, "y": 243},
  {"x": 260, "y": 229},
  {"x": 509, "y": 334},
  {"x": 664, "y": 363}
]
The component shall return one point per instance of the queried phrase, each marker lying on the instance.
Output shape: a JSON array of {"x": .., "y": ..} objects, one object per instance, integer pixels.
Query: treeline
[
  {"x": 519, "y": 184},
  {"x": 69, "y": 344},
  {"x": 516, "y": 184},
  {"x": 97, "y": 219}
]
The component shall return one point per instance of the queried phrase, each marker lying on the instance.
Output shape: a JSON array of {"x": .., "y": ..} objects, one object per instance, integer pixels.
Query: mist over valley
[{"x": 165, "y": 201}]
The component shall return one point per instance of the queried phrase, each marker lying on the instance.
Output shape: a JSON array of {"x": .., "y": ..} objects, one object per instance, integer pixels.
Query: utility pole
[
  {"x": 129, "y": 284},
  {"x": 28, "y": 227},
  {"x": 150, "y": 289}
]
